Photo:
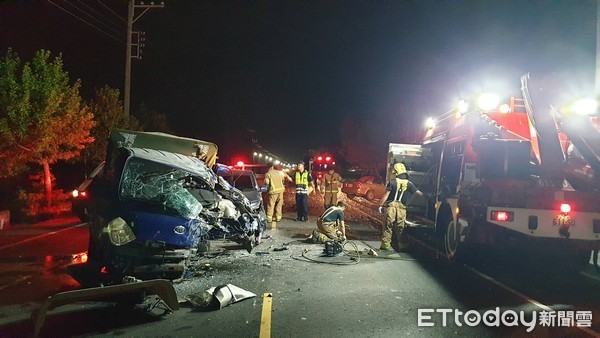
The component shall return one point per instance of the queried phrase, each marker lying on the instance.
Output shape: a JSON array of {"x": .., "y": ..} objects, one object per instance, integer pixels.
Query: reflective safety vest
[
  {"x": 302, "y": 182},
  {"x": 328, "y": 211},
  {"x": 274, "y": 179},
  {"x": 331, "y": 182},
  {"x": 401, "y": 187}
]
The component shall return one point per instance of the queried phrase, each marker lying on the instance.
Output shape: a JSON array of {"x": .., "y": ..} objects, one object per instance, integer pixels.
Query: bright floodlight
[
  {"x": 504, "y": 108},
  {"x": 585, "y": 107},
  {"x": 488, "y": 101},
  {"x": 277, "y": 162},
  {"x": 259, "y": 155},
  {"x": 255, "y": 153},
  {"x": 462, "y": 106},
  {"x": 430, "y": 123}
]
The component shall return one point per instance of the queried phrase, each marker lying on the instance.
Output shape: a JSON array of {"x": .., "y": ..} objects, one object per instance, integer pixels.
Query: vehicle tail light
[
  {"x": 83, "y": 193},
  {"x": 565, "y": 208},
  {"x": 75, "y": 193},
  {"x": 503, "y": 216},
  {"x": 327, "y": 158},
  {"x": 119, "y": 232},
  {"x": 320, "y": 158},
  {"x": 79, "y": 258}
]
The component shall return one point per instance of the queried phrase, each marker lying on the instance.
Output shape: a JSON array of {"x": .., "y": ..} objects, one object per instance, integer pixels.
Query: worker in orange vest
[{"x": 330, "y": 186}]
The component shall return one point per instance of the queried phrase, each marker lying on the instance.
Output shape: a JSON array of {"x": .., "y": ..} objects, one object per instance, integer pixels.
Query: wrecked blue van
[{"x": 156, "y": 203}]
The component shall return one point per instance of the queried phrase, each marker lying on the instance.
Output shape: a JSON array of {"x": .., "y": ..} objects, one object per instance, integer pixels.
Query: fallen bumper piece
[
  {"x": 159, "y": 287},
  {"x": 219, "y": 297}
]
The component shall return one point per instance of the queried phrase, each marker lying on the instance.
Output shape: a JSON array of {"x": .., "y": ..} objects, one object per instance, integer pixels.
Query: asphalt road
[{"x": 334, "y": 297}]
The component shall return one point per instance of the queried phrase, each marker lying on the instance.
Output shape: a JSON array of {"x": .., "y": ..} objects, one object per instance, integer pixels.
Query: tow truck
[{"x": 519, "y": 176}]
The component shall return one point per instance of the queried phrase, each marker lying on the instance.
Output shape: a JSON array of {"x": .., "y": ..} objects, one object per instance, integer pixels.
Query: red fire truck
[
  {"x": 320, "y": 163},
  {"x": 518, "y": 176}
]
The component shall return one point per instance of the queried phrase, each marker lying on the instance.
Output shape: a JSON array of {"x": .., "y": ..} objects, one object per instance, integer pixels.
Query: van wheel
[{"x": 370, "y": 195}]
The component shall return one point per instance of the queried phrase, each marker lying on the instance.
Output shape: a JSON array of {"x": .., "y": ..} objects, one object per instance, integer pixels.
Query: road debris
[{"x": 219, "y": 297}]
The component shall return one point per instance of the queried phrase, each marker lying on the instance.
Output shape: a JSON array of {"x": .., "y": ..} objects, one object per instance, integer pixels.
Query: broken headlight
[
  {"x": 119, "y": 232},
  {"x": 255, "y": 204}
]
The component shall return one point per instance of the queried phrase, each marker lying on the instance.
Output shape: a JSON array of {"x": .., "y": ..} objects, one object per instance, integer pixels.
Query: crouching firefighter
[
  {"x": 330, "y": 225},
  {"x": 396, "y": 197}
]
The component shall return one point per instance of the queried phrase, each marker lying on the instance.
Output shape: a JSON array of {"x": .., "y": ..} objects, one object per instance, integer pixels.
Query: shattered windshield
[
  {"x": 160, "y": 185},
  {"x": 244, "y": 182}
]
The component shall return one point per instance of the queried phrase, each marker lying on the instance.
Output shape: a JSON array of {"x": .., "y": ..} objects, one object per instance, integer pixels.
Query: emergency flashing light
[
  {"x": 259, "y": 155},
  {"x": 255, "y": 153},
  {"x": 328, "y": 158},
  {"x": 504, "y": 108},
  {"x": 565, "y": 208},
  {"x": 240, "y": 163},
  {"x": 83, "y": 193},
  {"x": 75, "y": 193},
  {"x": 458, "y": 114},
  {"x": 320, "y": 158},
  {"x": 488, "y": 101}
]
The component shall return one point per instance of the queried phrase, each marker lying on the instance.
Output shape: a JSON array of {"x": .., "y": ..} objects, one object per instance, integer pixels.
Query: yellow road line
[{"x": 265, "y": 321}]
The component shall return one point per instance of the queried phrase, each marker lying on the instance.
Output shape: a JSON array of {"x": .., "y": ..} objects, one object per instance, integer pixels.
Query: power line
[
  {"x": 117, "y": 15},
  {"x": 101, "y": 15},
  {"x": 95, "y": 18},
  {"x": 90, "y": 24}
]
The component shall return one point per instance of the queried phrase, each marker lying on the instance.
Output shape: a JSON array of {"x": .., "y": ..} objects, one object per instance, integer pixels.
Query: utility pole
[{"x": 131, "y": 19}]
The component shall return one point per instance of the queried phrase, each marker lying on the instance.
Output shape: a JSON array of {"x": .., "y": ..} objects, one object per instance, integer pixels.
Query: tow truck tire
[{"x": 452, "y": 238}]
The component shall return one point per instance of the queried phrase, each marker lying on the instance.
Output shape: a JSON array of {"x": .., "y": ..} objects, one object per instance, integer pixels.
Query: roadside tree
[
  {"x": 42, "y": 117},
  {"x": 108, "y": 113}
]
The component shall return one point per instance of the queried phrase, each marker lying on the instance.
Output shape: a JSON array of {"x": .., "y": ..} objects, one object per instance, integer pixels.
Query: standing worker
[
  {"x": 330, "y": 225},
  {"x": 330, "y": 185},
  {"x": 396, "y": 199},
  {"x": 304, "y": 186},
  {"x": 274, "y": 180}
]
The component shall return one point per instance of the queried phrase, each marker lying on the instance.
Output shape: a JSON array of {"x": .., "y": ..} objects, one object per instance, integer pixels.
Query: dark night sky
[{"x": 291, "y": 69}]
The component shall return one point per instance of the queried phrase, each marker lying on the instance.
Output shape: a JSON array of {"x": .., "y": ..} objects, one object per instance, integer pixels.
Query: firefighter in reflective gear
[
  {"x": 330, "y": 225},
  {"x": 397, "y": 194},
  {"x": 274, "y": 180},
  {"x": 304, "y": 186},
  {"x": 330, "y": 186}
]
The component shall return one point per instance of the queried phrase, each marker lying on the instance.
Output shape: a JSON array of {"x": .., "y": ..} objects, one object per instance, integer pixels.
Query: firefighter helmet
[{"x": 399, "y": 169}]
